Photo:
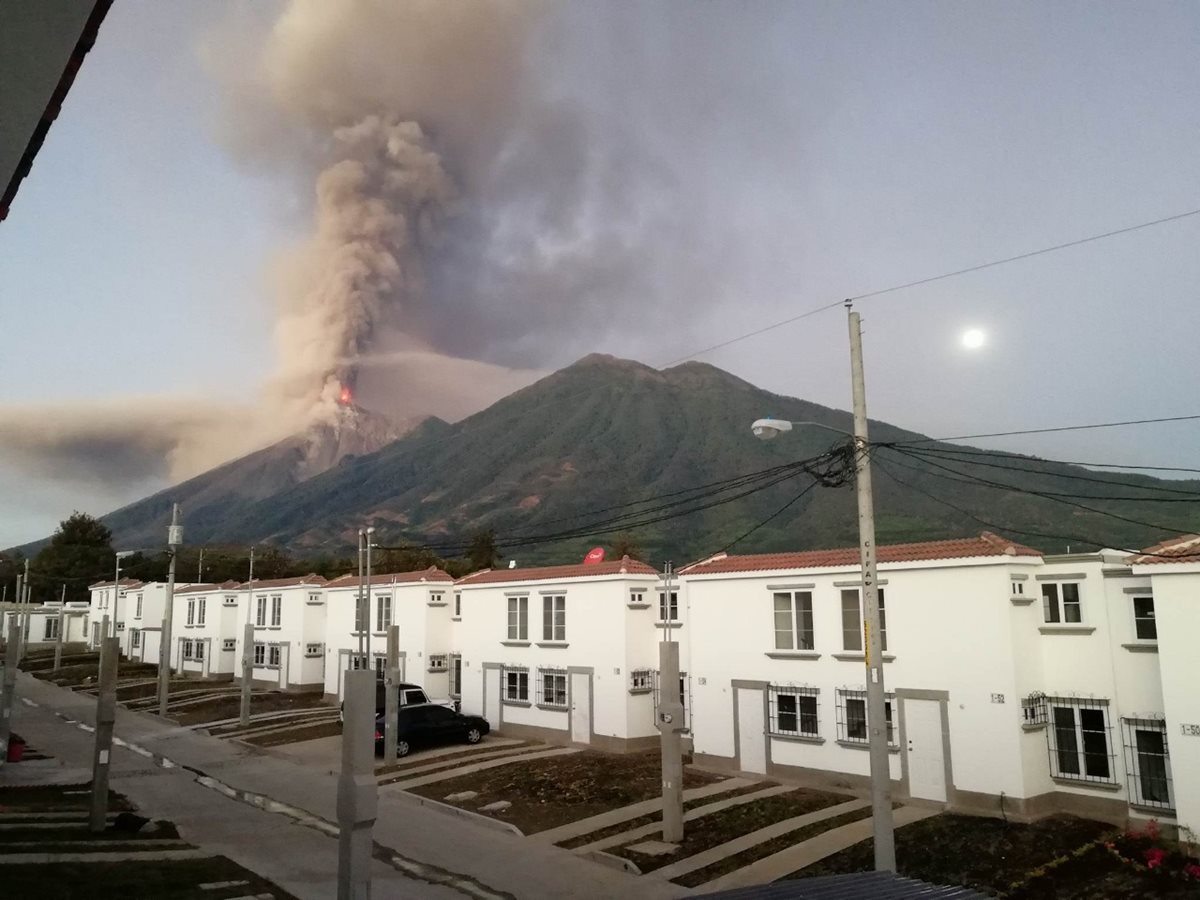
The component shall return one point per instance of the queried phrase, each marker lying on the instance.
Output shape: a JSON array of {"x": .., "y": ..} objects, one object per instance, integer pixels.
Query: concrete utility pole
[
  {"x": 670, "y": 723},
  {"x": 62, "y": 623},
  {"x": 367, "y": 621},
  {"x": 391, "y": 702},
  {"x": 16, "y": 613},
  {"x": 174, "y": 540},
  {"x": 248, "y": 648},
  {"x": 200, "y": 568},
  {"x": 10, "y": 686},
  {"x": 881, "y": 779},
  {"x": 106, "y": 714},
  {"x": 360, "y": 615},
  {"x": 358, "y": 793}
]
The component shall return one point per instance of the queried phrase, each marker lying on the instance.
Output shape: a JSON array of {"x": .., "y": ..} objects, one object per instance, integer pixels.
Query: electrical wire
[
  {"x": 964, "y": 437},
  {"x": 1008, "y": 454},
  {"x": 767, "y": 520}
]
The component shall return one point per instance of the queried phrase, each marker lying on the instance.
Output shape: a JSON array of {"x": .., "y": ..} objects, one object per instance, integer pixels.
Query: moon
[{"x": 974, "y": 338}]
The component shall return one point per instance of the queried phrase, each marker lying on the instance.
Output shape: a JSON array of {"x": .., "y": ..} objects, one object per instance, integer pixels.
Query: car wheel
[
  {"x": 402, "y": 748},
  {"x": 474, "y": 736}
]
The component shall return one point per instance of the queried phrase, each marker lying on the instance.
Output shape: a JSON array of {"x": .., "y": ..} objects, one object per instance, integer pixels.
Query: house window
[
  {"x": 231, "y": 599},
  {"x": 276, "y": 610},
  {"x": 357, "y": 662},
  {"x": 552, "y": 688},
  {"x": 637, "y": 597},
  {"x": 516, "y": 685},
  {"x": 201, "y": 606},
  {"x": 455, "y": 675},
  {"x": 274, "y": 654},
  {"x": 383, "y": 612},
  {"x": 1078, "y": 739},
  {"x": 260, "y": 611},
  {"x": 1060, "y": 602},
  {"x": 229, "y": 644},
  {"x": 852, "y": 717},
  {"x": 198, "y": 651},
  {"x": 120, "y": 627},
  {"x": 793, "y": 711},
  {"x": 191, "y": 612},
  {"x": 380, "y": 667},
  {"x": 260, "y": 654},
  {"x": 314, "y": 598},
  {"x": 1144, "y": 626},
  {"x": 641, "y": 681},
  {"x": 311, "y": 650},
  {"x": 361, "y": 614},
  {"x": 137, "y": 608},
  {"x": 852, "y": 630},
  {"x": 1034, "y": 711},
  {"x": 51, "y": 632},
  {"x": 187, "y": 649},
  {"x": 793, "y": 621},
  {"x": 437, "y": 662},
  {"x": 1149, "y": 763},
  {"x": 1018, "y": 588},
  {"x": 135, "y": 635},
  {"x": 518, "y": 618},
  {"x": 437, "y": 598},
  {"x": 554, "y": 618},
  {"x": 458, "y": 604},
  {"x": 668, "y": 606}
]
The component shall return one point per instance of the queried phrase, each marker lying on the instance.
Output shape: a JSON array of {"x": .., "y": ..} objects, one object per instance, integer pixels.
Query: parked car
[
  {"x": 409, "y": 694},
  {"x": 429, "y": 724}
]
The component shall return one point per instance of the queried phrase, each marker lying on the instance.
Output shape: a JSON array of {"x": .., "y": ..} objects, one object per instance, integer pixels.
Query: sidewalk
[{"x": 465, "y": 858}]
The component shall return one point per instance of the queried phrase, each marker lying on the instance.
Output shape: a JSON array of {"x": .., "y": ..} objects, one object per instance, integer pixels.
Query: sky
[{"x": 643, "y": 180}]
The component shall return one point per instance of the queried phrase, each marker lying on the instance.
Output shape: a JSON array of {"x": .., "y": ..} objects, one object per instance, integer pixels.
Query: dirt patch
[
  {"x": 127, "y": 692},
  {"x": 1096, "y": 875},
  {"x": 296, "y": 735},
  {"x": 54, "y": 798},
  {"x": 546, "y": 793},
  {"x": 163, "y": 880},
  {"x": 727, "y": 824},
  {"x": 655, "y": 818},
  {"x": 397, "y": 770},
  {"x": 86, "y": 673},
  {"x": 229, "y": 707},
  {"x": 67, "y": 835},
  {"x": 986, "y": 854}
]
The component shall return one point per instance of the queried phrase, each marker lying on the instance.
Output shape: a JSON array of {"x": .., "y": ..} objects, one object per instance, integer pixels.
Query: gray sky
[{"x": 683, "y": 173}]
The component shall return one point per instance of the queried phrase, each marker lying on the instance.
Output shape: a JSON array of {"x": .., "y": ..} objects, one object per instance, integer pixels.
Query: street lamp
[
  {"x": 121, "y": 554},
  {"x": 770, "y": 428}
]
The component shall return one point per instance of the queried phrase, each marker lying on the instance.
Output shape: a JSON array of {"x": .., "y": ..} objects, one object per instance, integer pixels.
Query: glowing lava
[{"x": 345, "y": 398}]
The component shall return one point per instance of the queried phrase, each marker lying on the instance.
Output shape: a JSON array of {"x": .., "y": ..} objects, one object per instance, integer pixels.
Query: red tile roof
[
  {"x": 986, "y": 544},
  {"x": 209, "y": 588},
  {"x": 623, "y": 566},
  {"x": 127, "y": 583},
  {"x": 432, "y": 574},
  {"x": 1185, "y": 548},
  {"x": 312, "y": 578}
]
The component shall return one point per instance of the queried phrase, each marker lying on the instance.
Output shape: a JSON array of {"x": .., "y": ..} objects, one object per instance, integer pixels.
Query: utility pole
[
  {"x": 200, "y": 568},
  {"x": 106, "y": 714},
  {"x": 174, "y": 540},
  {"x": 881, "y": 779},
  {"x": 391, "y": 702},
  {"x": 62, "y": 623},
  {"x": 26, "y": 599},
  {"x": 670, "y": 722},
  {"x": 360, "y": 615},
  {"x": 248, "y": 648},
  {"x": 370, "y": 540},
  {"x": 9, "y": 686},
  {"x": 358, "y": 793},
  {"x": 16, "y": 613}
]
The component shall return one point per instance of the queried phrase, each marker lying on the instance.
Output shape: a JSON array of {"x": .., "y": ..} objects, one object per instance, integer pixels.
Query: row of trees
[{"x": 81, "y": 553}]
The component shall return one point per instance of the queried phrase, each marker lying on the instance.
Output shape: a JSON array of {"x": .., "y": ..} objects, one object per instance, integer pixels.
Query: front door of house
[
  {"x": 752, "y": 730},
  {"x": 926, "y": 756},
  {"x": 581, "y": 707}
]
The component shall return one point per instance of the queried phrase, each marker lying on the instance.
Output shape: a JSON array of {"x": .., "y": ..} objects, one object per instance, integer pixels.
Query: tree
[
  {"x": 79, "y": 553},
  {"x": 625, "y": 544},
  {"x": 483, "y": 552}
]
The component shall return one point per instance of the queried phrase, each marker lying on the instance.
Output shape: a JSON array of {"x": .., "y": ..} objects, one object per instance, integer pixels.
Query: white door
[
  {"x": 491, "y": 696},
  {"x": 752, "y": 731},
  {"x": 581, "y": 707},
  {"x": 926, "y": 761}
]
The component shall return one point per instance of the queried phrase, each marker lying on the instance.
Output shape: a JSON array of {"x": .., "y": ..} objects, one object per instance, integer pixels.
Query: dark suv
[{"x": 428, "y": 724}]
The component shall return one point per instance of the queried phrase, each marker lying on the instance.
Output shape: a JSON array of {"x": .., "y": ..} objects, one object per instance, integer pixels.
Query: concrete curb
[
  {"x": 448, "y": 809},
  {"x": 612, "y": 861}
]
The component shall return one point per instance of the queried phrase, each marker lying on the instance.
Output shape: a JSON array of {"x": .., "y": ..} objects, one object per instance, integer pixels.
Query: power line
[
  {"x": 1008, "y": 454},
  {"x": 964, "y": 437},
  {"x": 769, "y": 518},
  {"x": 942, "y": 277}
]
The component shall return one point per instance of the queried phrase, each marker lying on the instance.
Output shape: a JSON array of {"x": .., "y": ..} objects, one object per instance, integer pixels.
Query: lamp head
[
  {"x": 125, "y": 554},
  {"x": 768, "y": 429}
]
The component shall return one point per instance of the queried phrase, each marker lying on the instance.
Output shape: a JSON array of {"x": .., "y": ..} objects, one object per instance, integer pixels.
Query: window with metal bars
[
  {"x": 1148, "y": 763},
  {"x": 851, "y": 709},
  {"x": 515, "y": 685},
  {"x": 641, "y": 681},
  {"x": 792, "y": 711},
  {"x": 1033, "y": 709},
  {"x": 1078, "y": 739},
  {"x": 552, "y": 688},
  {"x": 136, "y": 636},
  {"x": 229, "y": 644}
]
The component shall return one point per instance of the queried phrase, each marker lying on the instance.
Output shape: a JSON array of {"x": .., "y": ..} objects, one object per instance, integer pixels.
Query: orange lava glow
[{"x": 345, "y": 397}]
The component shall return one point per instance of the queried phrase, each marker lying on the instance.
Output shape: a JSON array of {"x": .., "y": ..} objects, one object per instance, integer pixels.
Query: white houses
[
  {"x": 1016, "y": 682},
  {"x": 420, "y": 603},
  {"x": 204, "y": 630},
  {"x": 143, "y": 606},
  {"x": 563, "y": 653},
  {"x": 108, "y": 601},
  {"x": 43, "y": 623},
  {"x": 288, "y": 617}
]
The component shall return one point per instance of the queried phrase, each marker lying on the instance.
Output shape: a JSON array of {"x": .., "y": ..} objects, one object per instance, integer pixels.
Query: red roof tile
[
  {"x": 986, "y": 544},
  {"x": 311, "y": 579},
  {"x": 1185, "y": 548},
  {"x": 624, "y": 566},
  {"x": 209, "y": 588},
  {"x": 126, "y": 583},
  {"x": 432, "y": 574}
]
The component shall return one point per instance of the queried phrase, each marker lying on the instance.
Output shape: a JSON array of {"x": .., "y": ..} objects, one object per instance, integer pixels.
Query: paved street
[{"x": 266, "y": 813}]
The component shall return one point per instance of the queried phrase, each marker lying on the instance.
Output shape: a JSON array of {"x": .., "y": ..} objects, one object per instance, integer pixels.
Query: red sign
[{"x": 595, "y": 555}]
